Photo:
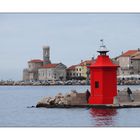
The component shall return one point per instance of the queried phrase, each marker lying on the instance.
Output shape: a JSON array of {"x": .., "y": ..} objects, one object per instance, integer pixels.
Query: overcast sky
[{"x": 71, "y": 37}]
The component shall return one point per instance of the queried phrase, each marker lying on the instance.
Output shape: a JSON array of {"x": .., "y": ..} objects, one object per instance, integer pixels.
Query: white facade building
[{"x": 52, "y": 72}]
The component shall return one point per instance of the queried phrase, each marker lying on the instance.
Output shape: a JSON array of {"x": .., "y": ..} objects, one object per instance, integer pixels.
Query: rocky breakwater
[
  {"x": 72, "y": 99},
  {"x": 124, "y": 99}
]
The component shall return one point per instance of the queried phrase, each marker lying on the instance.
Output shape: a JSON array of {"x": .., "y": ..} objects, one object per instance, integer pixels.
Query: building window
[
  {"x": 96, "y": 84},
  {"x": 55, "y": 76}
]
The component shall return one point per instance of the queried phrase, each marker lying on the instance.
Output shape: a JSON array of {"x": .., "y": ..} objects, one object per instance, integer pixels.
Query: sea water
[{"x": 14, "y": 111}]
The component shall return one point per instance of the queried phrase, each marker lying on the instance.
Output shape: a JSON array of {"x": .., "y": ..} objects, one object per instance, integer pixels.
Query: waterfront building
[
  {"x": 128, "y": 62},
  {"x": 85, "y": 65},
  {"x": 79, "y": 71},
  {"x": 52, "y": 72},
  {"x": 136, "y": 64},
  {"x": 33, "y": 66},
  {"x": 71, "y": 72},
  {"x": 31, "y": 73}
]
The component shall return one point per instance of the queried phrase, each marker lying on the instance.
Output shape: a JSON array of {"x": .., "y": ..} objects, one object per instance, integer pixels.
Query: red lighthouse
[{"x": 103, "y": 76}]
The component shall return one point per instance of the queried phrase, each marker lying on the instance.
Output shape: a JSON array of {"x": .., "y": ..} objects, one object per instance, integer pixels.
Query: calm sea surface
[{"x": 14, "y": 101}]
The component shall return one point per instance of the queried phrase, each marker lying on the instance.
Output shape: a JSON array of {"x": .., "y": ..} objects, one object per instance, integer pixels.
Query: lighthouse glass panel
[{"x": 96, "y": 84}]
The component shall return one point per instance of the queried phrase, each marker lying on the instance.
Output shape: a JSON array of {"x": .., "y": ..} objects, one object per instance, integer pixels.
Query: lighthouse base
[{"x": 100, "y": 100}]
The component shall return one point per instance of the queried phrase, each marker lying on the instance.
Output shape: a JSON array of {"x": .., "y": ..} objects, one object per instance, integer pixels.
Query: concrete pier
[{"x": 79, "y": 100}]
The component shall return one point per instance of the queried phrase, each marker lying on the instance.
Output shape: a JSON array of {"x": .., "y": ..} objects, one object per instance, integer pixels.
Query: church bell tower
[{"x": 46, "y": 55}]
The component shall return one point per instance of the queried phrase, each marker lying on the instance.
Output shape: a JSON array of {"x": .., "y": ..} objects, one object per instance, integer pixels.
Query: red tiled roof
[
  {"x": 87, "y": 62},
  {"x": 35, "y": 61},
  {"x": 50, "y": 66},
  {"x": 136, "y": 57},
  {"x": 129, "y": 53},
  {"x": 71, "y": 67},
  {"x": 136, "y": 54},
  {"x": 81, "y": 64}
]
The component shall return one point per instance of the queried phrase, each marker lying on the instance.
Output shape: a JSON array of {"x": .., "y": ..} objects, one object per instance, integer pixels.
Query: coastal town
[
  {"x": 44, "y": 72},
  {"x": 57, "y": 71}
]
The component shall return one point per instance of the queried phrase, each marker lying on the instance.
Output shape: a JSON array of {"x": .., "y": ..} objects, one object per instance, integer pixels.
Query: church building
[{"x": 43, "y": 69}]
